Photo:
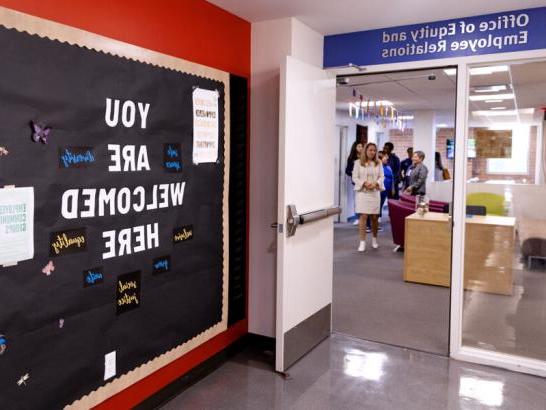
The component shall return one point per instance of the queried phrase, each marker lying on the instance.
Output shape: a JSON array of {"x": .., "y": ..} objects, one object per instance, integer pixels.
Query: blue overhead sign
[{"x": 492, "y": 33}]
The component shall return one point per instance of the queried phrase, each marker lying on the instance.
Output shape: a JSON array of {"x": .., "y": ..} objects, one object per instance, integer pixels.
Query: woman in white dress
[{"x": 368, "y": 178}]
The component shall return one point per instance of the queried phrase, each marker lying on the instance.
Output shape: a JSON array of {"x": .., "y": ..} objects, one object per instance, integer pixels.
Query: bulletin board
[{"x": 113, "y": 212}]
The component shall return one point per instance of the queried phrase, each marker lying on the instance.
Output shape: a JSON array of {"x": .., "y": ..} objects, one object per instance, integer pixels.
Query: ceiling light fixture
[
  {"x": 405, "y": 117},
  {"x": 489, "y": 97},
  {"x": 490, "y": 88},
  {"x": 493, "y": 101},
  {"x": 498, "y": 108},
  {"x": 489, "y": 113},
  {"x": 489, "y": 70}
]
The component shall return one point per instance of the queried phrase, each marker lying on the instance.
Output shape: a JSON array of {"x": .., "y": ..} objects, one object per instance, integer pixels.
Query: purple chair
[
  {"x": 398, "y": 211},
  {"x": 434, "y": 206}
]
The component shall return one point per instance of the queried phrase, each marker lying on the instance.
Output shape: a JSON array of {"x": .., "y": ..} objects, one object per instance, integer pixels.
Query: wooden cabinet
[{"x": 489, "y": 250}]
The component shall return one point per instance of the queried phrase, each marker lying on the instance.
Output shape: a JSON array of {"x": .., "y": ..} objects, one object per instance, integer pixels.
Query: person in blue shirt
[
  {"x": 394, "y": 163},
  {"x": 388, "y": 182}
]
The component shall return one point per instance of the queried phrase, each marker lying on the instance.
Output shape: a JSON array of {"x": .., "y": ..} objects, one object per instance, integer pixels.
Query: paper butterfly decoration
[
  {"x": 48, "y": 268},
  {"x": 23, "y": 380},
  {"x": 40, "y": 133},
  {"x": 3, "y": 151}
]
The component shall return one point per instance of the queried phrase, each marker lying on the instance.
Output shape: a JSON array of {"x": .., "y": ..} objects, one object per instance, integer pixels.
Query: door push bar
[{"x": 294, "y": 219}]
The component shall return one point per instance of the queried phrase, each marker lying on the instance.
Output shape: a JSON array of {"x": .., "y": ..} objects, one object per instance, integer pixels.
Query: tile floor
[{"x": 348, "y": 373}]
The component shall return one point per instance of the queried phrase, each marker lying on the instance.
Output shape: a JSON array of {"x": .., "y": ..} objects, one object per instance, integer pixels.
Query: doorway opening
[{"x": 396, "y": 290}]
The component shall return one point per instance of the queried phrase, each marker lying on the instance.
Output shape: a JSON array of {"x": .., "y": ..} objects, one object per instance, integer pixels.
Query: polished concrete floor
[
  {"x": 371, "y": 300},
  {"x": 349, "y": 373}
]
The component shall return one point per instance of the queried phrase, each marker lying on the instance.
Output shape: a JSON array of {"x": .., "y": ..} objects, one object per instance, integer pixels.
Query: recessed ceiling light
[
  {"x": 489, "y": 113},
  {"x": 493, "y": 101},
  {"x": 498, "y": 108},
  {"x": 490, "y": 88},
  {"x": 491, "y": 96},
  {"x": 488, "y": 70}
]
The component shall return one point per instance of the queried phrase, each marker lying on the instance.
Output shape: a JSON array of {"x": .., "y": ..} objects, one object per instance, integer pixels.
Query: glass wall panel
[{"x": 505, "y": 230}]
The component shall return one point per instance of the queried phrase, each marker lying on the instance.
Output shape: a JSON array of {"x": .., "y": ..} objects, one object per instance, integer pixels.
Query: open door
[{"x": 306, "y": 184}]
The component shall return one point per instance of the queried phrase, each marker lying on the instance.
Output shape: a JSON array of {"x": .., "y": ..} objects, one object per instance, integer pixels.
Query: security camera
[
  {"x": 431, "y": 77},
  {"x": 342, "y": 81}
]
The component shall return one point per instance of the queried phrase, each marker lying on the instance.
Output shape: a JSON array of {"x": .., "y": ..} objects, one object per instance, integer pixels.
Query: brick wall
[{"x": 477, "y": 167}]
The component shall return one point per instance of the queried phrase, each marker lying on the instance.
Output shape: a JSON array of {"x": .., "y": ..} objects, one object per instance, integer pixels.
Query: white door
[{"x": 306, "y": 180}]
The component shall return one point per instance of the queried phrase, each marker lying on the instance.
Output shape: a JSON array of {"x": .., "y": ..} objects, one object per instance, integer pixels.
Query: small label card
[
  {"x": 109, "y": 365},
  {"x": 68, "y": 241},
  {"x": 93, "y": 276},
  {"x": 161, "y": 264},
  {"x": 182, "y": 234},
  {"x": 127, "y": 292},
  {"x": 172, "y": 161},
  {"x": 75, "y": 157}
]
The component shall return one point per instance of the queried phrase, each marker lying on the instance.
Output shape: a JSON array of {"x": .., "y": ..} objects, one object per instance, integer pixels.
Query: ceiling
[
  {"x": 413, "y": 91},
  {"x": 343, "y": 16}
]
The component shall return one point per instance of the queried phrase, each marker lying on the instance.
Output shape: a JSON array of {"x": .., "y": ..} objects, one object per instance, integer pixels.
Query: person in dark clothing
[
  {"x": 394, "y": 163},
  {"x": 404, "y": 166},
  {"x": 356, "y": 149}
]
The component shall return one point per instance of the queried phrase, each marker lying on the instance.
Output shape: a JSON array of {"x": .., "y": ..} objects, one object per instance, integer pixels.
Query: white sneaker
[
  {"x": 374, "y": 243},
  {"x": 355, "y": 222},
  {"x": 362, "y": 246},
  {"x": 379, "y": 220}
]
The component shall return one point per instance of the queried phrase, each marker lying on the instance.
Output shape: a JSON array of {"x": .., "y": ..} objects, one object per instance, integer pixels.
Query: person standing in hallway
[
  {"x": 368, "y": 179},
  {"x": 356, "y": 149},
  {"x": 404, "y": 167},
  {"x": 440, "y": 173},
  {"x": 394, "y": 163},
  {"x": 388, "y": 182},
  {"x": 418, "y": 176}
]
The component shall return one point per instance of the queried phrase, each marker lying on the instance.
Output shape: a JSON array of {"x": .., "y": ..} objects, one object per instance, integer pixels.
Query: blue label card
[
  {"x": 68, "y": 241},
  {"x": 75, "y": 157},
  {"x": 93, "y": 276},
  {"x": 487, "y": 34},
  {"x": 172, "y": 157},
  {"x": 127, "y": 292},
  {"x": 161, "y": 264},
  {"x": 182, "y": 234}
]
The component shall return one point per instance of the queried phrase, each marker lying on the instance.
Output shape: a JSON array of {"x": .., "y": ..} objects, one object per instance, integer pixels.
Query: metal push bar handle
[{"x": 294, "y": 219}]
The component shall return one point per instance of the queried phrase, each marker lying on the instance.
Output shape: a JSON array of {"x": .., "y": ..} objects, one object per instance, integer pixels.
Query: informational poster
[
  {"x": 16, "y": 225},
  {"x": 205, "y": 126},
  {"x": 120, "y": 238}
]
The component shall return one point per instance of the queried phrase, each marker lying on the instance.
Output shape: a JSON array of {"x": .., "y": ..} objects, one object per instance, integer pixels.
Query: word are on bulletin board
[{"x": 113, "y": 212}]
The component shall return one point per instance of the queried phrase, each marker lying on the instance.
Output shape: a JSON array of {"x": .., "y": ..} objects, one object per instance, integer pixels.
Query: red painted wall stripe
[{"x": 190, "y": 29}]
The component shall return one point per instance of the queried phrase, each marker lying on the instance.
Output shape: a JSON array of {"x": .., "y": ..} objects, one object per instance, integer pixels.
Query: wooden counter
[{"x": 489, "y": 249}]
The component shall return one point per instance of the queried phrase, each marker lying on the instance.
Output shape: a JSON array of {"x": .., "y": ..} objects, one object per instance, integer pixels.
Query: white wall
[
  {"x": 272, "y": 41},
  {"x": 424, "y": 138}
]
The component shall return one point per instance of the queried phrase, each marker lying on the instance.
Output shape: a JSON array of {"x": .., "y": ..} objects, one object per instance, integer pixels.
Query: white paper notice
[
  {"x": 205, "y": 126},
  {"x": 16, "y": 225},
  {"x": 109, "y": 365}
]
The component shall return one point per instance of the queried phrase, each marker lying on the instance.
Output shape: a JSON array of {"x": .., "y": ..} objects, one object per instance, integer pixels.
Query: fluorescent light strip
[
  {"x": 490, "y": 89},
  {"x": 490, "y": 113},
  {"x": 480, "y": 70},
  {"x": 493, "y": 96},
  {"x": 493, "y": 101},
  {"x": 498, "y": 108}
]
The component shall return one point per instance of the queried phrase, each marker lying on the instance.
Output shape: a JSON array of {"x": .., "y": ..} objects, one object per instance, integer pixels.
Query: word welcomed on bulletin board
[{"x": 112, "y": 216}]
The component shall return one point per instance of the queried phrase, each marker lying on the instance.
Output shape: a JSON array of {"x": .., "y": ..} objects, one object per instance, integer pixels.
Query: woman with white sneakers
[{"x": 368, "y": 178}]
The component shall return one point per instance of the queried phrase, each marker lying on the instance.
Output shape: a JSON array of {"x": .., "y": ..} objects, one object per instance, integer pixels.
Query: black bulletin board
[{"x": 59, "y": 326}]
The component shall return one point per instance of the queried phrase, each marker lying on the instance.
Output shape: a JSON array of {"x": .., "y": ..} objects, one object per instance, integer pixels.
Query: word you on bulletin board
[{"x": 112, "y": 216}]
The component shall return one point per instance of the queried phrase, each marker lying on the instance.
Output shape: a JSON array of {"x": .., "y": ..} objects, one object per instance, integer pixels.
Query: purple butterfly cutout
[{"x": 40, "y": 133}]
